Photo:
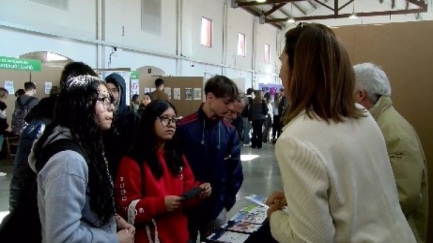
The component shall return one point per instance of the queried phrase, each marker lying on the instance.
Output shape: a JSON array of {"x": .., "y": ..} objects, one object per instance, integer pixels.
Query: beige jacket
[
  {"x": 338, "y": 184},
  {"x": 408, "y": 163}
]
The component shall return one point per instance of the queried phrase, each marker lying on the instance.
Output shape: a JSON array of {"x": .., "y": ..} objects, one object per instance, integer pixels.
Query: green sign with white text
[
  {"x": 134, "y": 75},
  {"x": 20, "y": 64}
]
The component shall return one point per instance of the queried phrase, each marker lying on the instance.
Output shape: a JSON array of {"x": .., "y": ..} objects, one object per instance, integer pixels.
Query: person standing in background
[
  {"x": 234, "y": 115},
  {"x": 405, "y": 151},
  {"x": 3, "y": 118},
  {"x": 268, "y": 120},
  {"x": 147, "y": 98},
  {"x": 19, "y": 92},
  {"x": 276, "y": 124},
  {"x": 135, "y": 102},
  {"x": 158, "y": 93},
  {"x": 258, "y": 112},
  {"x": 23, "y": 106},
  {"x": 245, "y": 117},
  {"x": 121, "y": 137}
]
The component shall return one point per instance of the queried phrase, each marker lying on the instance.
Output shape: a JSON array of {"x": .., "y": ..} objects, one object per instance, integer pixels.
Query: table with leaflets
[{"x": 249, "y": 225}]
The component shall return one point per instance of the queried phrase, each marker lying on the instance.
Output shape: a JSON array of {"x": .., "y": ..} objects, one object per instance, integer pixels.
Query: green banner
[
  {"x": 20, "y": 64},
  {"x": 134, "y": 75}
]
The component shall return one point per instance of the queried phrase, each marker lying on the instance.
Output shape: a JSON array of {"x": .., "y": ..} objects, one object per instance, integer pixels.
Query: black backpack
[
  {"x": 20, "y": 112},
  {"x": 23, "y": 223},
  {"x": 246, "y": 111}
]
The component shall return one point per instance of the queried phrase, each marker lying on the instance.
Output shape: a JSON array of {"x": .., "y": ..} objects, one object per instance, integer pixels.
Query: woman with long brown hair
[{"x": 338, "y": 181}]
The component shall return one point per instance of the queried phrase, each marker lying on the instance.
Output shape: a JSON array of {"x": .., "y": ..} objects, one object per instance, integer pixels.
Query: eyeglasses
[
  {"x": 106, "y": 102},
  {"x": 165, "y": 121}
]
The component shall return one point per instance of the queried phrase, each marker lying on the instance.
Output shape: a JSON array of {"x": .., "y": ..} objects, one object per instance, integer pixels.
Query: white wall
[
  {"x": 266, "y": 72},
  {"x": 240, "y": 22},
  {"x": 127, "y": 14},
  {"x": 14, "y": 42},
  {"x": 89, "y": 30},
  {"x": 78, "y": 21}
]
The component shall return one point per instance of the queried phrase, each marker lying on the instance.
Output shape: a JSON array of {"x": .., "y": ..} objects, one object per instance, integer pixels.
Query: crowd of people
[{"x": 352, "y": 168}]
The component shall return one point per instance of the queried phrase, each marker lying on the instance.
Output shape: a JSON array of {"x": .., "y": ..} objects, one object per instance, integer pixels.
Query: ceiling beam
[
  {"x": 312, "y": 5},
  {"x": 286, "y": 13},
  {"x": 418, "y": 3},
  {"x": 258, "y": 14},
  {"x": 254, "y": 3},
  {"x": 324, "y": 5},
  {"x": 335, "y": 7},
  {"x": 345, "y": 5},
  {"x": 275, "y": 8},
  {"x": 339, "y": 16},
  {"x": 300, "y": 9}
]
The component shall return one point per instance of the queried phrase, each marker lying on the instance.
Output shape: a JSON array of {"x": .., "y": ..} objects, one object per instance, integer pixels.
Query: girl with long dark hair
[
  {"x": 75, "y": 191},
  {"x": 153, "y": 177}
]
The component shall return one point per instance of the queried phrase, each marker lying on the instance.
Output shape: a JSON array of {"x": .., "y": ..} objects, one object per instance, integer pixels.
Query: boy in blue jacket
[{"x": 211, "y": 146}]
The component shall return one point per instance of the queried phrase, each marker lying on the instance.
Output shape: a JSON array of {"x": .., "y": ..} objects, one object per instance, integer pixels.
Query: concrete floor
[{"x": 261, "y": 176}]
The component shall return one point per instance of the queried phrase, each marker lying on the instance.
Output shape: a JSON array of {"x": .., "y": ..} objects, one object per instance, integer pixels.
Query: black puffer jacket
[{"x": 23, "y": 176}]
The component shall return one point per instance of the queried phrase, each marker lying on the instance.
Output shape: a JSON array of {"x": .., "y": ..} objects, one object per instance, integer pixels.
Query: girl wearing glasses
[
  {"x": 75, "y": 190},
  {"x": 153, "y": 177}
]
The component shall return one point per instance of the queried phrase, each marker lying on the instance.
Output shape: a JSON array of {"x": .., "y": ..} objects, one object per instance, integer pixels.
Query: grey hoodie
[{"x": 64, "y": 198}]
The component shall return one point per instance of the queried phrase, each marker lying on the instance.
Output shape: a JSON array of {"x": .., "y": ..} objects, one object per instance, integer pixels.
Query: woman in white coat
[{"x": 337, "y": 178}]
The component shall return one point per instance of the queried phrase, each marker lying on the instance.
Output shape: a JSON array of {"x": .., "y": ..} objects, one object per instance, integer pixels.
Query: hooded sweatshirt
[
  {"x": 120, "y": 138},
  {"x": 64, "y": 198}
]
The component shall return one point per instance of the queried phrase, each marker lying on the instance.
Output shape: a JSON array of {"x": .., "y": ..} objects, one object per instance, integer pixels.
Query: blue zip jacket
[{"x": 213, "y": 152}]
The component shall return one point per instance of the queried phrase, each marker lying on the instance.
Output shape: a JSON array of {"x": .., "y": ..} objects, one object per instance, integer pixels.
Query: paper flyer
[
  {"x": 146, "y": 90},
  {"x": 9, "y": 86},
  {"x": 135, "y": 88},
  {"x": 167, "y": 90},
  {"x": 188, "y": 93},
  {"x": 197, "y": 93},
  {"x": 48, "y": 87},
  {"x": 176, "y": 93}
]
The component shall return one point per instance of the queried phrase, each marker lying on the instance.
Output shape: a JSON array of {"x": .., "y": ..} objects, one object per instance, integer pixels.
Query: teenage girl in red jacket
[{"x": 152, "y": 178}]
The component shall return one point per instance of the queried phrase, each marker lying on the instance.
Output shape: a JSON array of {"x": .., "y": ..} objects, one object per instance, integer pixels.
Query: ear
[
  {"x": 360, "y": 95},
  {"x": 210, "y": 96}
]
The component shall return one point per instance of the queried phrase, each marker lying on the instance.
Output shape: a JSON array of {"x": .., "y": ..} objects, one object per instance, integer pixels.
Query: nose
[{"x": 111, "y": 107}]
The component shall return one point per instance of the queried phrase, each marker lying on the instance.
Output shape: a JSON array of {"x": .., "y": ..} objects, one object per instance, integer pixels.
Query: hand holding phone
[{"x": 192, "y": 193}]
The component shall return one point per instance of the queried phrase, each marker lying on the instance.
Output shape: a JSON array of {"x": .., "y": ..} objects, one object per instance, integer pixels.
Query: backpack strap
[
  {"x": 56, "y": 147},
  {"x": 21, "y": 105}
]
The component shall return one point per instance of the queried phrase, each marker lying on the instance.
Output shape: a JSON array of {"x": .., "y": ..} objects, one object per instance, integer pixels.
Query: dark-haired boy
[{"x": 211, "y": 146}]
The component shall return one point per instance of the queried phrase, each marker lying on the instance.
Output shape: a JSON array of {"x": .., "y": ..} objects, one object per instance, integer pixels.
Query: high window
[{"x": 206, "y": 32}]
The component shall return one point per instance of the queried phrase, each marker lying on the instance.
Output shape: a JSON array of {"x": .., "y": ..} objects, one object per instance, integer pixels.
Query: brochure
[
  {"x": 251, "y": 214},
  {"x": 242, "y": 227},
  {"x": 228, "y": 237},
  {"x": 257, "y": 199}
]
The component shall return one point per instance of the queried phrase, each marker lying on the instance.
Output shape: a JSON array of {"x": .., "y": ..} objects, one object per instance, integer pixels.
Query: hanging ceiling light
[
  {"x": 260, "y": 1},
  {"x": 353, "y": 15},
  {"x": 291, "y": 20}
]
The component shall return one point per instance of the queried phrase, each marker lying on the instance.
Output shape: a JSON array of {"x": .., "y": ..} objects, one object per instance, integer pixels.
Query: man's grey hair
[{"x": 373, "y": 80}]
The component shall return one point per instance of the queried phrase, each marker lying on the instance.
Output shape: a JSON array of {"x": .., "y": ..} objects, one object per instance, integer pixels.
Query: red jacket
[{"x": 171, "y": 226}]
